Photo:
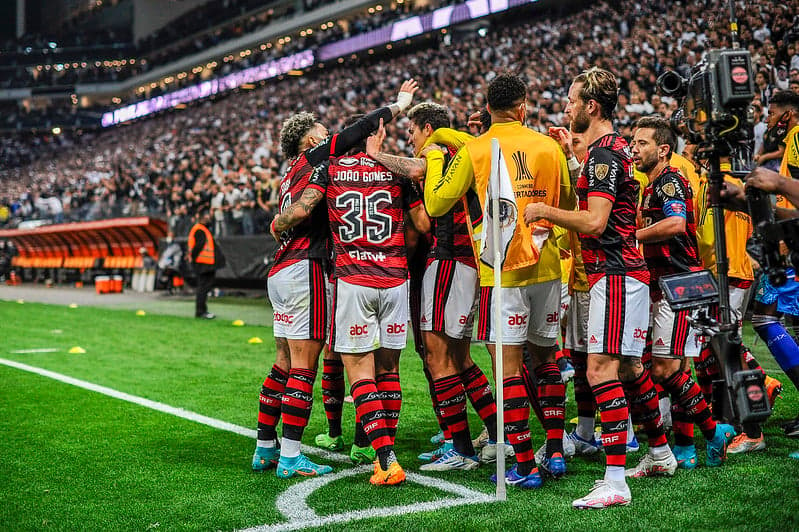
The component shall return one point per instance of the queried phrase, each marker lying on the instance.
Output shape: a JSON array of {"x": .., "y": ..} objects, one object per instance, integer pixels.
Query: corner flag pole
[{"x": 497, "y": 325}]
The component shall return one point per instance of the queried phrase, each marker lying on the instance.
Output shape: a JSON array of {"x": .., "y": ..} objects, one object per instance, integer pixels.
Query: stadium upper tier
[{"x": 210, "y": 32}]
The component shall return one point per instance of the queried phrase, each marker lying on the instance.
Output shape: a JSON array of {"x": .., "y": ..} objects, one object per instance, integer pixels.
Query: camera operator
[{"x": 771, "y": 302}]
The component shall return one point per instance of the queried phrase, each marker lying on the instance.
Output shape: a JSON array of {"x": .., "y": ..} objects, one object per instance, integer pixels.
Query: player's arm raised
[
  {"x": 401, "y": 166},
  {"x": 340, "y": 143}
]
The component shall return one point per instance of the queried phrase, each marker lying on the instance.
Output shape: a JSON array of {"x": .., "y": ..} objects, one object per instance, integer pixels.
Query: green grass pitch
[{"x": 73, "y": 459}]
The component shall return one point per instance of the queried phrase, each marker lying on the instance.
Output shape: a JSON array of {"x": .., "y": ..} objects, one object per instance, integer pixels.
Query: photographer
[{"x": 773, "y": 301}]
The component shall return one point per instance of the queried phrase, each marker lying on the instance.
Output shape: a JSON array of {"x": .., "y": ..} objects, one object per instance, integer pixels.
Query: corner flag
[{"x": 500, "y": 189}]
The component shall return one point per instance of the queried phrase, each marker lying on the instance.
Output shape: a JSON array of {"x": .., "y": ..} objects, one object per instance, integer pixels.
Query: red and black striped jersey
[
  {"x": 669, "y": 194},
  {"x": 452, "y": 239},
  {"x": 608, "y": 173},
  {"x": 308, "y": 239},
  {"x": 366, "y": 205}
]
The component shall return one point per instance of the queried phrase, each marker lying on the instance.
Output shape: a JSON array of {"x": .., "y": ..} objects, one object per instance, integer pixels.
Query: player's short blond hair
[{"x": 599, "y": 85}]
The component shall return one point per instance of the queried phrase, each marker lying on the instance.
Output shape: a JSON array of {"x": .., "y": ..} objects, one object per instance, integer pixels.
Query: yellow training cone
[
  {"x": 141, "y": 313},
  {"x": 255, "y": 340},
  {"x": 77, "y": 350},
  {"x": 238, "y": 323},
  {"x": 73, "y": 305},
  {"x": 20, "y": 301},
  {"x": 573, "y": 421}
]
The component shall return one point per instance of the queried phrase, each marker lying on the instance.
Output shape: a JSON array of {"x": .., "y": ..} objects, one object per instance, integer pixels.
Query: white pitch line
[
  {"x": 292, "y": 506},
  {"x": 38, "y": 350},
  {"x": 167, "y": 409}
]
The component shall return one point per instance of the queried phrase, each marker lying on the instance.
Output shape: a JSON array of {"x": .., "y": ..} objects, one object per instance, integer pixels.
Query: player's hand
[
  {"x": 534, "y": 212},
  {"x": 474, "y": 120},
  {"x": 732, "y": 196},
  {"x": 374, "y": 144},
  {"x": 275, "y": 234},
  {"x": 406, "y": 92},
  {"x": 765, "y": 180},
  {"x": 564, "y": 138}
]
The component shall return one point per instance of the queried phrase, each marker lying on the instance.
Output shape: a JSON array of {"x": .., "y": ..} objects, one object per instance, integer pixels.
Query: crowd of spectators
[
  {"x": 225, "y": 154},
  {"x": 25, "y": 64}
]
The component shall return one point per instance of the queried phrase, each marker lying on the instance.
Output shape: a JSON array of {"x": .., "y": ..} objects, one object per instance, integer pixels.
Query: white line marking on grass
[
  {"x": 38, "y": 350},
  {"x": 292, "y": 503}
]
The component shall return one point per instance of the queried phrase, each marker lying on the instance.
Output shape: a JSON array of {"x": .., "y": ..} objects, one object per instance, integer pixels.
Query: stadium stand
[{"x": 223, "y": 151}]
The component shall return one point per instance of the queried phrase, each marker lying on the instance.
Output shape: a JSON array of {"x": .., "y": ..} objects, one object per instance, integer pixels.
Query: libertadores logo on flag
[{"x": 499, "y": 185}]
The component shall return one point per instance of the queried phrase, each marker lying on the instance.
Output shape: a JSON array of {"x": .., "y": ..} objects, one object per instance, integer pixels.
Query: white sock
[
  {"x": 585, "y": 428},
  {"x": 269, "y": 444},
  {"x": 614, "y": 474},
  {"x": 661, "y": 451},
  {"x": 664, "y": 405},
  {"x": 630, "y": 431},
  {"x": 289, "y": 448}
]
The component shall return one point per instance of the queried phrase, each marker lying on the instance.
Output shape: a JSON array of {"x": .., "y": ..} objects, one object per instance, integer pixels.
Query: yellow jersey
[
  {"x": 790, "y": 163},
  {"x": 738, "y": 227},
  {"x": 539, "y": 173}
]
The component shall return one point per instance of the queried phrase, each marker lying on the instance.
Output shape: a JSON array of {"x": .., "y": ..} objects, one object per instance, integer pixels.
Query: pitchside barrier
[
  {"x": 84, "y": 247},
  {"x": 81, "y": 251}
]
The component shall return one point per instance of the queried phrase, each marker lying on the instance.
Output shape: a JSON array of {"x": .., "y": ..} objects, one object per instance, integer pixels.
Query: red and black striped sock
[
  {"x": 531, "y": 386},
  {"x": 297, "y": 402},
  {"x": 707, "y": 370},
  {"x": 686, "y": 392},
  {"x": 333, "y": 394},
  {"x": 517, "y": 427},
  {"x": 388, "y": 386},
  {"x": 750, "y": 360},
  {"x": 682, "y": 426},
  {"x": 613, "y": 413},
  {"x": 583, "y": 395},
  {"x": 643, "y": 402},
  {"x": 552, "y": 396},
  {"x": 441, "y": 424},
  {"x": 482, "y": 398},
  {"x": 269, "y": 403},
  {"x": 451, "y": 399},
  {"x": 369, "y": 408},
  {"x": 360, "y": 439}
]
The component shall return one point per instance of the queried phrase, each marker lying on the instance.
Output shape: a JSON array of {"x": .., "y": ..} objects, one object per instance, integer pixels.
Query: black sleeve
[
  {"x": 671, "y": 187},
  {"x": 411, "y": 195},
  {"x": 320, "y": 175},
  {"x": 340, "y": 143},
  {"x": 199, "y": 243},
  {"x": 604, "y": 172}
]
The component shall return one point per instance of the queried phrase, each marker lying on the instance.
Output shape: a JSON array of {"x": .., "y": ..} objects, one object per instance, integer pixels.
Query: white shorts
[
  {"x": 565, "y": 301},
  {"x": 618, "y": 316},
  {"x": 367, "y": 318},
  {"x": 672, "y": 335},
  {"x": 576, "y": 337},
  {"x": 298, "y": 294},
  {"x": 739, "y": 297},
  {"x": 529, "y": 314},
  {"x": 448, "y": 293}
]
